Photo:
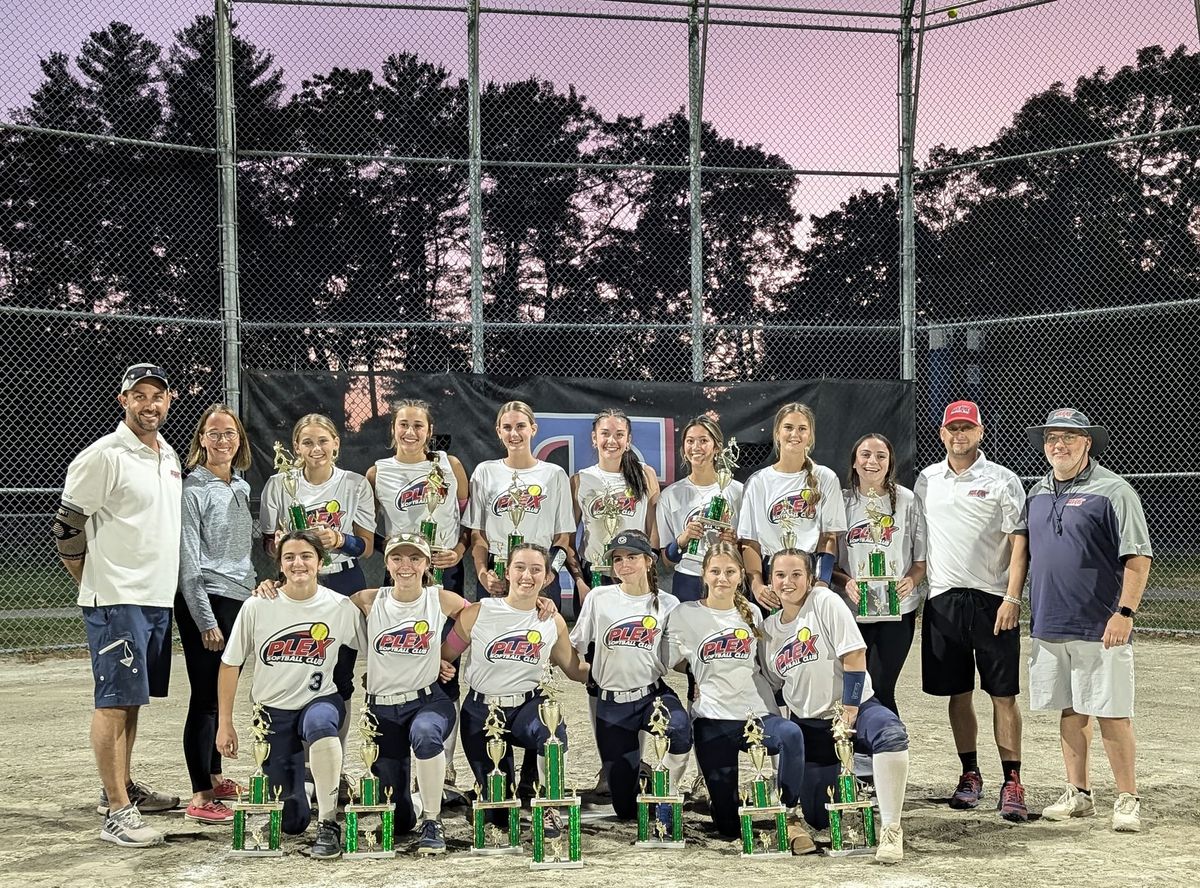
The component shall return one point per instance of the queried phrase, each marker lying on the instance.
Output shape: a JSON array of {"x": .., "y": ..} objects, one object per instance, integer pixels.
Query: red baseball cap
[{"x": 961, "y": 411}]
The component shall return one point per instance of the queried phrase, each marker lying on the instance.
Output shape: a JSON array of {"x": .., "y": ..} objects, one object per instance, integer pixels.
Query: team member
[
  {"x": 1089, "y": 559},
  {"x": 117, "y": 532},
  {"x": 681, "y": 504},
  {"x": 873, "y": 470},
  {"x": 793, "y": 496},
  {"x": 296, "y": 642},
  {"x": 620, "y": 627},
  {"x": 972, "y": 512},
  {"x": 546, "y": 503},
  {"x": 812, "y": 649},
  {"x": 215, "y": 577},
  {"x": 618, "y": 474},
  {"x": 718, "y": 638}
]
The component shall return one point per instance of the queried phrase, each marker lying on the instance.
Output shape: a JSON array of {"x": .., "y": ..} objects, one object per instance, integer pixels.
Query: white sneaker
[
  {"x": 1127, "y": 813},
  {"x": 891, "y": 844},
  {"x": 1072, "y": 803},
  {"x": 125, "y": 827}
]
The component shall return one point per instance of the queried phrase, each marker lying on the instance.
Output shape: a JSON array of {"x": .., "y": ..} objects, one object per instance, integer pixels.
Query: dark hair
[
  {"x": 304, "y": 536},
  {"x": 545, "y": 553},
  {"x": 729, "y": 550},
  {"x": 198, "y": 456},
  {"x": 631, "y": 466},
  {"x": 889, "y": 479},
  {"x": 809, "y": 559},
  {"x": 417, "y": 404},
  {"x": 711, "y": 428}
]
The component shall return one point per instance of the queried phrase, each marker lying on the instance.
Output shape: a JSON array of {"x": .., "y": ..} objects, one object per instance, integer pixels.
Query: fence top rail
[
  {"x": 107, "y": 316},
  {"x": 1175, "y": 305}
]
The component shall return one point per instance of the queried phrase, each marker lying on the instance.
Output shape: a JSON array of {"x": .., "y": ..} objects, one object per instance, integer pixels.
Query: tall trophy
[
  {"x": 851, "y": 816},
  {"x": 715, "y": 515},
  {"x": 655, "y": 831},
  {"x": 290, "y": 469},
  {"x": 878, "y": 599},
  {"x": 258, "y": 822},
  {"x": 488, "y": 838},
  {"x": 433, "y": 499},
  {"x": 761, "y": 800},
  {"x": 518, "y": 491},
  {"x": 548, "y": 851},
  {"x": 370, "y": 821},
  {"x": 608, "y": 511}
]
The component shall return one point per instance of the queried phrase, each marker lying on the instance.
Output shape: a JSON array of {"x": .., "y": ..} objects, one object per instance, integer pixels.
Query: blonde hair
[
  {"x": 320, "y": 420},
  {"x": 729, "y": 550},
  {"x": 519, "y": 407},
  {"x": 807, "y": 412},
  {"x": 198, "y": 456}
]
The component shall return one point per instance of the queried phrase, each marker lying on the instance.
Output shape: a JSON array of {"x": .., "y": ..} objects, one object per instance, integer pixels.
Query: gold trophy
[
  {"x": 369, "y": 814},
  {"x": 716, "y": 515},
  {"x": 517, "y": 491},
  {"x": 549, "y": 853},
  {"x": 787, "y": 524},
  {"x": 610, "y": 515},
  {"x": 760, "y": 800},
  {"x": 290, "y": 469},
  {"x": 258, "y": 823},
  {"x": 488, "y": 838},
  {"x": 851, "y": 816},
  {"x": 878, "y": 598},
  {"x": 653, "y": 831},
  {"x": 433, "y": 499}
]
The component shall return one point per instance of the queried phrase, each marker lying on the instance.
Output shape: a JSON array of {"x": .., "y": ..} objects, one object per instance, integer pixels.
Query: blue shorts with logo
[{"x": 131, "y": 653}]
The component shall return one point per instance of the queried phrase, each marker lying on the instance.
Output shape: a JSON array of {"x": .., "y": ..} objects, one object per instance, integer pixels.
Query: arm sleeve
[
  {"x": 364, "y": 506},
  {"x": 833, "y": 503},
  {"x": 241, "y": 638},
  {"x": 191, "y": 579},
  {"x": 1131, "y": 523}
]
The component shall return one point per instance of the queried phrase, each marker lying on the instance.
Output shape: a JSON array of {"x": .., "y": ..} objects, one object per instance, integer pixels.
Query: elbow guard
[{"x": 68, "y": 532}]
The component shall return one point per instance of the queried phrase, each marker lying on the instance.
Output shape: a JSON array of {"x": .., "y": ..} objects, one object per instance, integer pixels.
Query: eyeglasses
[
  {"x": 1067, "y": 438},
  {"x": 215, "y": 437}
]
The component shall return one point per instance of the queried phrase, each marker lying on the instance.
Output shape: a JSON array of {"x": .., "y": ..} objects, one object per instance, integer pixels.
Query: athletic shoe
[
  {"x": 970, "y": 788},
  {"x": 1012, "y": 800},
  {"x": 227, "y": 790},
  {"x": 1127, "y": 813},
  {"x": 209, "y": 812},
  {"x": 799, "y": 838},
  {"x": 891, "y": 844},
  {"x": 433, "y": 838},
  {"x": 343, "y": 791},
  {"x": 147, "y": 800},
  {"x": 125, "y": 827},
  {"x": 1072, "y": 803},
  {"x": 328, "y": 843}
]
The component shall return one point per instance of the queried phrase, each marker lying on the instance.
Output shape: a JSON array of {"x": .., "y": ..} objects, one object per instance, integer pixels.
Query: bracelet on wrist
[{"x": 1010, "y": 599}]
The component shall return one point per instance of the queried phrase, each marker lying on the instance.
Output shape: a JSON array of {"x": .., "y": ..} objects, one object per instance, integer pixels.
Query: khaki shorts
[{"x": 1083, "y": 676}]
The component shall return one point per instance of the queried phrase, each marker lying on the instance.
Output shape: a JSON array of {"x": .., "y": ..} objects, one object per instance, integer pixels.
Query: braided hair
[
  {"x": 889, "y": 478},
  {"x": 809, "y": 466},
  {"x": 729, "y": 550}
]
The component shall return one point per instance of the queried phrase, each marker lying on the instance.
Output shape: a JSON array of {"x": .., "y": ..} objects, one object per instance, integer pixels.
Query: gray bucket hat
[{"x": 1069, "y": 419}]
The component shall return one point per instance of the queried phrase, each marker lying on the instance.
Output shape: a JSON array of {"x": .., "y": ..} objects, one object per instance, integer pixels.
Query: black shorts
[{"x": 957, "y": 638}]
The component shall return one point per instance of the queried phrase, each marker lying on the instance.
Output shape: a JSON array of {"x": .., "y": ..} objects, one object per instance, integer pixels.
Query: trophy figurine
[
  {"x": 548, "y": 852},
  {"x": 653, "y": 830},
  {"x": 489, "y": 838},
  {"x": 715, "y": 516},
  {"x": 434, "y": 497},
  {"x": 787, "y": 524},
  {"x": 761, "y": 800},
  {"x": 847, "y": 807},
  {"x": 878, "y": 600},
  {"x": 258, "y": 823},
  {"x": 608, "y": 510},
  {"x": 370, "y": 821},
  {"x": 518, "y": 493},
  {"x": 290, "y": 469}
]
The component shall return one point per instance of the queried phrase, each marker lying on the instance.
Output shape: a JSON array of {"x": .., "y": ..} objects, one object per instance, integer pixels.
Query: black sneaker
[
  {"x": 329, "y": 840},
  {"x": 433, "y": 838}
]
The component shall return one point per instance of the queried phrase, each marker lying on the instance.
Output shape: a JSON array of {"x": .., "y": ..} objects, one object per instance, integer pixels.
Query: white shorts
[{"x": 1083, "y": 676}]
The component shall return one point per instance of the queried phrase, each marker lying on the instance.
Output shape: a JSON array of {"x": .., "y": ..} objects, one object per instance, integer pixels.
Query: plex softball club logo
[
  {"x": 861, "y": 532},
  {"x": 636, "y": 632},
  {"x": 305, "y": 643},
  {"x": 413, "y": 496},
  {"x": 801, "y": 504},
  {"x": 626, "y": 502},
  {"x": 801, "y": 649},
  {"x": 531, "y": 501},
  {"x": 329, "y": 514},
  {"x": 413, "y": 637},
  {"x": 521, "y": 647},
  {"x": 728, "y": 644}
]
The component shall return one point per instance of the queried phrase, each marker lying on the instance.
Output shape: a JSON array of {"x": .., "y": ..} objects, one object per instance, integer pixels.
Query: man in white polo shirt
[
  {"x": 976, "y": 569},
  {"x": 117, "y": 532}
]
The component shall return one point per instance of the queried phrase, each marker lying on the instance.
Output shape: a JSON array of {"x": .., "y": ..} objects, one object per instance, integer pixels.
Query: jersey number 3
[{"x": 317, "y": 679}]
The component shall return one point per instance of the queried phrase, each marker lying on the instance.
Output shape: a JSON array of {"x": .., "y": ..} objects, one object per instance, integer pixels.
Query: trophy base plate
[
  {"x": 848, "y": 806},
  {"x": 368, "y": 809},
  {"x": 710, "y": 524},
  {"x": 660, "y": 845},
  {"x": 649, "y": 799},
  {"x": 498, "y": 852},
  {"x": 495, "y": 806},
  {"x": 557, "y": 865},
  {"x": 252, "y": 808},
  {"x": 878, "y": 618},
  {"x": 276, "y": 853},
  {"x": 765, "y": 811},
  {"x": 850, "y": 852},
  {"x": 564, "y": 802},
  {"x": 369, "y": 855},
  {"x": 759, "y": 855}
]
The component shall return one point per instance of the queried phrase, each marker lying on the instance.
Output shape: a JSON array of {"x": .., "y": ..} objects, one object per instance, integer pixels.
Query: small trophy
[
  {"x": 878, "y": 600},
  {"x": 433, "y": 499},
  {"x": 652, "y": 831},
  {"x": 550, "y": 853},
  {"x": 370, "y": 823},
  {"x": 787, "y": 524},
  {"x": 715, "y": 516},
  {"x": 258, "y": 823},
  {"x": 290, "y": 469},
  {"x": 488, "y": 838},
  {"x": 851, "y": 817},
  {"x": 518, "y": 493},
  {"x": 761, "y": 799},
  {"x": 608, "y": 510}
]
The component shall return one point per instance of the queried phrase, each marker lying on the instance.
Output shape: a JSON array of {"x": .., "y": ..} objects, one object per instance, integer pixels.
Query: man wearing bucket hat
[{"x": 1089, "y": 559}]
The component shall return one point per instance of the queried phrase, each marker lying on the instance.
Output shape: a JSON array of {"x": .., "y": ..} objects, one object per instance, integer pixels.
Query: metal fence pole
[
  {"x": 474, "y": 190},
  {"x": 227, "y": 207},
  {"x": 697, "y": 240},
  {"x": 908, "y": 277}
]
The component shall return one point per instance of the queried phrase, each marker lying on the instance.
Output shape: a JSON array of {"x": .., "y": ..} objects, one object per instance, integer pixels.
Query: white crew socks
[
  {"x": 891, "y": 777},
  {"x": 431, "y": 775},
  {"x": 325, "y": 759}
]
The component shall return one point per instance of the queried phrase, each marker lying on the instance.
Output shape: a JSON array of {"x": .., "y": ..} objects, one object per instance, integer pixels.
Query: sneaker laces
[
  {"x": 1126, "y": 804},
  {"x": 128, "y": 816}
]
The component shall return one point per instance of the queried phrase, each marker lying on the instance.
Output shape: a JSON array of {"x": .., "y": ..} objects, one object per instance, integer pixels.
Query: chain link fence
[{"x": 597, "y": 188}]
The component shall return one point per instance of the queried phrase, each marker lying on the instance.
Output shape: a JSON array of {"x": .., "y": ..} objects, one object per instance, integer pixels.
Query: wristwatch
[{"x": 1127, "y": 612}]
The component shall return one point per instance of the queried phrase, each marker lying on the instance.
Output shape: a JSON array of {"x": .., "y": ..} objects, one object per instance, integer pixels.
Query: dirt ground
[{"x": 49, "y": 827}]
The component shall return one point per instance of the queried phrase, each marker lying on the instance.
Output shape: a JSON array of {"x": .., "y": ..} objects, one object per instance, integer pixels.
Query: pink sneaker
[
  {"x": 226, "y": 791},
  {"x": 209, "y": 812}
]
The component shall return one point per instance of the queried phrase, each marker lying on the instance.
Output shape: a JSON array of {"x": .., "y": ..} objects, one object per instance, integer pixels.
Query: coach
[
  {"x": 1089, "y": 559},
  {"x": 117, "y": 532}
]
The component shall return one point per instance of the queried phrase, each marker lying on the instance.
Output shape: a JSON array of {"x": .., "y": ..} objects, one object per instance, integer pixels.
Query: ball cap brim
[
  {"x": 407, "y": 541},
  {"x": 138, "y": 372},
  {"x": 631, "y": 541},
  {"x": 1069, "y": 419}
]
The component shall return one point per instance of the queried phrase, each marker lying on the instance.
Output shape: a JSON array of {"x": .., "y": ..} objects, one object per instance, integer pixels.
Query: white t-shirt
[
  {"x": 547, "y": 505},
  {"x": 684, "y": 501},
  {"x": 804, "y": 656},
  {"x": 509, "y": 649},
  {"x": 723, "y": 654},
  {"x": 133, "y": 498},
  {"x": 294, "y": 645},
  {"x": 400, "y": 494},
  {"x": 903, "y": 542},
  {"x": 768, "y": 491},
  {"x": 628, "y": 634},
  {"x": 594, "y": 484},
  {"x": 405, "y": 641},
  {"x": 340, "y": 503},
  {"x": 968, "y": 518}
]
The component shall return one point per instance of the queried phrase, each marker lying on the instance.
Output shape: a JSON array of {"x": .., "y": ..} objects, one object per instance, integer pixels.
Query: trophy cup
[
  {"x": 517, "y": 493},
  {"x": 433, "y": 499},
  {"x": 851, "y": 817},
  {"x": 715, "y": 515},
  {"x": 290, "y": 468},
  {"x": 549, "y": 853},
  {"x": 659, "y": 835},
  {"x": 369, "y": 812},
  {"x": 609, "y": 512},
  {"x": 258, "y": 823},
  {"x": 878, "y": 600},
  {"x": 761, "y": 799},
  {"x": 488, "y": 838}
]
